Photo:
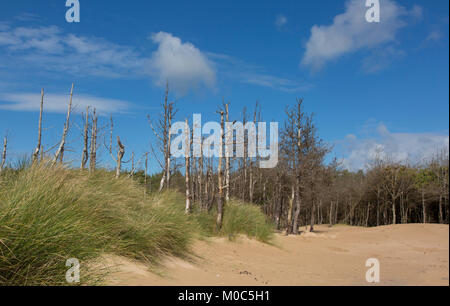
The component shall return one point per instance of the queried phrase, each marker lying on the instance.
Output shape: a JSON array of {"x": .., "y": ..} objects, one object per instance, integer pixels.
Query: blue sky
[{"x": 373, "y": 87}]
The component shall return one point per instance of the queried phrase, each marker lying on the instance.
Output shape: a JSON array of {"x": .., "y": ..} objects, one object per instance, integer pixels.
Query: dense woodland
[{"x": 301, "y": 191}]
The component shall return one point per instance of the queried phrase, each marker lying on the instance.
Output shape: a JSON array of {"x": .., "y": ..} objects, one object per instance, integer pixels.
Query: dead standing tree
[
  {"x": 5, "y": 145},
  {"x": 227, "y": 161},
  {"x": 85, "y": 154},
  {"x": 38, "y": 147},
  {"x": 120, "y": 154},
  {"x": 93, "y": 149},
  {"x": 162, "y": 133},
  {"x": 219, "y": 176},
  {"x": 187, "y": 156},
  {"x": 60, "y": 152}
]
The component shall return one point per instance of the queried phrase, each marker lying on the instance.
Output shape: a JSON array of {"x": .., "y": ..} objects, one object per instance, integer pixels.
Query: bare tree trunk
[
  {"x": 85, "y": 155},
  {"x": 331, "y": 214},
  {"x": 423, "y": 207},
  {"x": 200, "y": 175},
  {"x": 394, "y": 215},
  {"x": 219, "y": 177},
  {"x": 38, "y": 147},
  {"x": 367, "y": 216},
  {"x": 441, "y": 216},
  {"x": 120, "y": 154},
  {"x": 5, "y": 145},
  {"x": 145, "y": 173},
  {"x": 60, "y": 152},
  {"x": 378, "y": 206},
  {"x": 291, "y": 205},
  {"x": 93, "y": 152},
  {"x": 297, "y": 207},
  {"x": 168, "y": 149},
  {"x": 187, "y": 157},
  {"x": 227, "y": 164},
  {"x": 313, "y": 208}
]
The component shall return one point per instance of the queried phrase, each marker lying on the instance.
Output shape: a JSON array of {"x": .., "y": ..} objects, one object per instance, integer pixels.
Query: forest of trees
[{"x": 301, "y": 191}]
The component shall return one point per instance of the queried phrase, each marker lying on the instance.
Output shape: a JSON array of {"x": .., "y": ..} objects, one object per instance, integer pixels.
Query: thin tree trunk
[
  {"x": 145, "y": 173},
  {"x": 60, "y": 152},
  {"x": 367, "y": 216},
  {"x": 291, "y": 205},
  {"x": 297, "y": 207},
  {"x": 227, "y": 163},
  {"x": 219, "y": 176},
  {"x": 120, "y": 154},
  {"x": 93, "y": 153},
  {"x": 38, "y": 147},
  {"x": 85, "y": 155},
  {"x": 394, "y": 215},
  {"x": 331, "y": 214},
  {"x": 187, "y": 157},
  {"x": 5, "y": 145},
  {"x": 313, "y": 208}
]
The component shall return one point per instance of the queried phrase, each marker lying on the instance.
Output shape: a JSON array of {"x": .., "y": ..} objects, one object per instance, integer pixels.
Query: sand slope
[{"x": 413, "y": 254}]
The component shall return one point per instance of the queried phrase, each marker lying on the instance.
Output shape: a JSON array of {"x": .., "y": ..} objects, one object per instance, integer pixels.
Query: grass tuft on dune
[{"x": 49, "y": 214}]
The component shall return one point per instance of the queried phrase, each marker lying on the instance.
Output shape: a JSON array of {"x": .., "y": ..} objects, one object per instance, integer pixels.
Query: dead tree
[
  {"x": 93, "y": 151},
  {"x": 219, "y": 177},
  {"x": 227, "y": 163},
  {"x": 200, "y": 175},
  {"x": 60, "y": 152},
  {"x": 145, "y": 172},
  {"x": 85, "y": 154},
  {"x": 5, "y": 145},
  {"x": 120, "y": 154},
  {"x": 187, "y": 168},
  {"x": 38, "y": 147},
  {"x": 162, "y": 133}
]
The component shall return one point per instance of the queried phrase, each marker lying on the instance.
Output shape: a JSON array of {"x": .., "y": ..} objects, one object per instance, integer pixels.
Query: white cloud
[
  {"x": 181, "y": 64},
  {"x": 399, "y": 147},
  {"x": 246, "y": 73},
  {"x": 280, "y": 20},
  {"x": 434, "y": 36},
  {"x": 350, "y": 32},
  {"x": 274, "y": 82},
  {"x": 49, "y": 49},
  {"x": 57, "y": 103}
]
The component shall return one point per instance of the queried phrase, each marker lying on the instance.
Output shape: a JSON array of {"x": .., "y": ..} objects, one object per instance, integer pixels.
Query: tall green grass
[
  {"x": 50, "y": 214},
  {"x": 239, "y": 218}
]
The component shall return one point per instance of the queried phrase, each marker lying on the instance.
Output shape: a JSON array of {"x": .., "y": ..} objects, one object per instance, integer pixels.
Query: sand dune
[{"x": 413, "y": 254}]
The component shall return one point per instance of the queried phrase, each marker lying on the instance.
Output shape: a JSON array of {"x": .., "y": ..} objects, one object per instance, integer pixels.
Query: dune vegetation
[{"x": 49, "y": 214}]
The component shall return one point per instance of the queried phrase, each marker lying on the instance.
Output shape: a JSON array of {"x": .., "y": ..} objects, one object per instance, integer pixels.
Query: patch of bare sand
[{"x": 414, "y": 254}]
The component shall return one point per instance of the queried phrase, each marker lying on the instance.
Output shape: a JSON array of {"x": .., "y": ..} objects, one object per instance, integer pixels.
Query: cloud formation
[
  {"x": 280, "y": 21},
  {"x": 399, "y": 147},
  {"x": 350, "y": 32},
  {"x": 49, "y": 49},
  {"x": 57, "y": 103},
  {"x": 180, "y": 63}
]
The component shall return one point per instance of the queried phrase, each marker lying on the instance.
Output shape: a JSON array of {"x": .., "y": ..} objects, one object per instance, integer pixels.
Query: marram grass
[{"x": 50, "y": 214}]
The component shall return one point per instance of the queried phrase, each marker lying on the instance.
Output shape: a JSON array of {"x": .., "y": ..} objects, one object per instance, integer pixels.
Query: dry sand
[{"x": 413, "y": 254}]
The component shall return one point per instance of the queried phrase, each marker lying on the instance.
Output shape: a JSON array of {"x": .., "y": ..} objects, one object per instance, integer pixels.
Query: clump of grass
[
  {"x": 51, "y": 214},
  {"x": 247, "y": 219},
  {"x": 239, "y": 218}
]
